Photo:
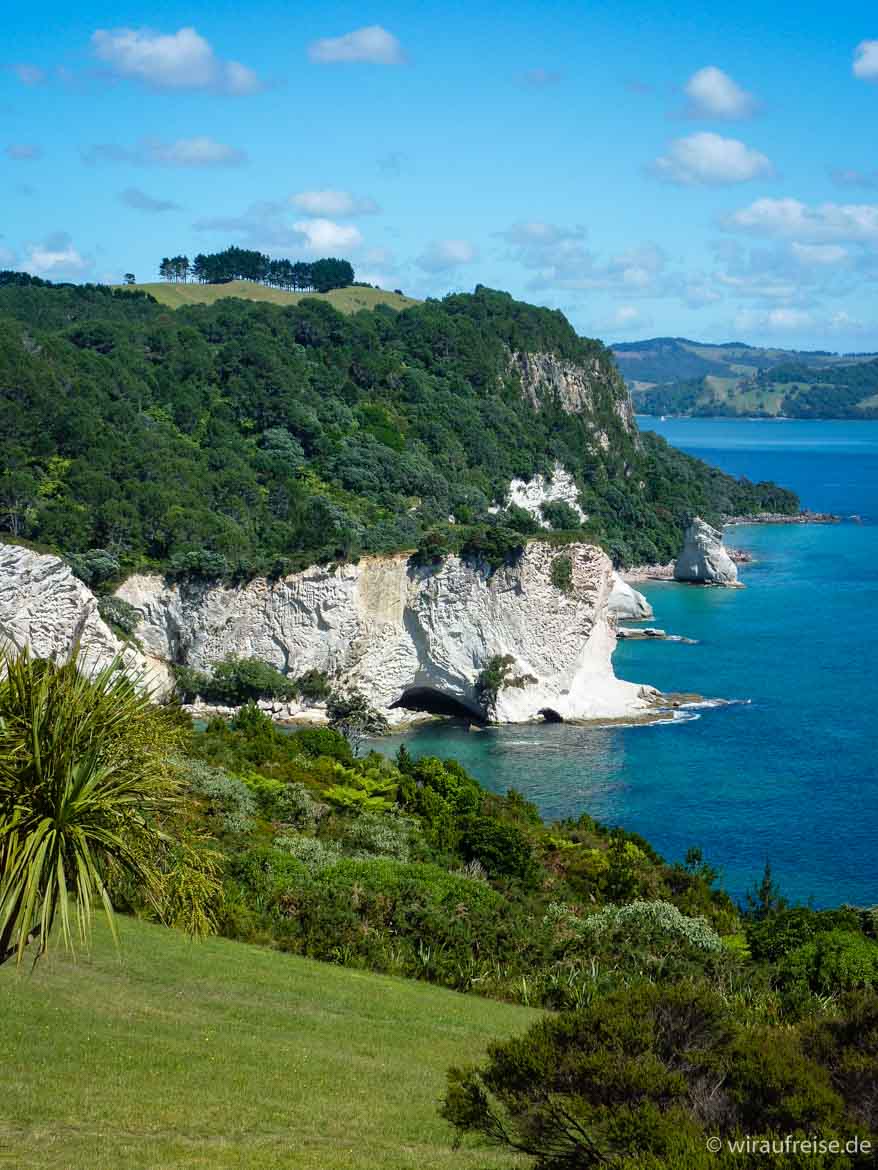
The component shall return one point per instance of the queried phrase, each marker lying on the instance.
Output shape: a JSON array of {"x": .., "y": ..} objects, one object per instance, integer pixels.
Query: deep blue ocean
[{"x": 791, "y": 774}]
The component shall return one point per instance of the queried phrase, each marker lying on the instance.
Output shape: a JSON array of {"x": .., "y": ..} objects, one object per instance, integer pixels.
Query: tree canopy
[{"x": 241, "y": 438}]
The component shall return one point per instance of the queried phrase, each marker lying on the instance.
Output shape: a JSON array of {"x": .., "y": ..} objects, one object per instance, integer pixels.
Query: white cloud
[
  {"x": 713, "y": 94},
  {"x": 443, "y": 255},
  {"x": 140, "y": 201},
  {"x": 707, "y": 159},
  {"x": 329, "y": 202},
  {"x": 56, "y": 256},
  {"x": 29, "y": 74},
  {"x": 23, "y": 152},
  {"x": 554, "y": 252},
  {"x": 180, "y": 60},
  {"x": 324, "y": 236},
  {"x": 373, "y": 45},
  {"x": 8, "y": 258},
  {"x": 775, "y": 320},
  {"x": 199, "y": 151},
  {"x": 866, "y": 61},
  {"x": 821, "y": 254},
  {"x": 817, "y": 223}
]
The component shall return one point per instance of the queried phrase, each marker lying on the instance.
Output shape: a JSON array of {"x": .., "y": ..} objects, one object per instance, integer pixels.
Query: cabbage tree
[{"x": 86, "y": 796}]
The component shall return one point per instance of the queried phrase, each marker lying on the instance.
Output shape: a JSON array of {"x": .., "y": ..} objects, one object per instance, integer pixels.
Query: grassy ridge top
[
  {"x": 225, "y": 1056},
  {"x": 346, "y": 300}
]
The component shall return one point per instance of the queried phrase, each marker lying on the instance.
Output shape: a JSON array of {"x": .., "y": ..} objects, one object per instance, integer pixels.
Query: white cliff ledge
[{"x": 411, "y": 637}]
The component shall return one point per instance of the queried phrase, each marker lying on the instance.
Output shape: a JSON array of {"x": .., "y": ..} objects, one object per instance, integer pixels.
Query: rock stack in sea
[{"x": 704, "y": 559}]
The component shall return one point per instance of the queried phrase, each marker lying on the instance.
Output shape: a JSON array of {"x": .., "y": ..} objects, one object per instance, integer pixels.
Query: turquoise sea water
[{"x": 789, "y": 775}]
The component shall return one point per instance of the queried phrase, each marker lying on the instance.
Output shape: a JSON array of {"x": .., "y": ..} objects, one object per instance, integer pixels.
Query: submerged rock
[
  {"x": 704, "y": 559},
  {"x": 626, "y": 604}
]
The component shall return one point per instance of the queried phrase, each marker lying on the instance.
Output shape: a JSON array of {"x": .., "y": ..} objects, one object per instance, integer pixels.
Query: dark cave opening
[{"x": 434, "y": 702}]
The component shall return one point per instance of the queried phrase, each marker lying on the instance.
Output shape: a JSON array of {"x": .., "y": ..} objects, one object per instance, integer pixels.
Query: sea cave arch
[{"x": 435, "y": 702}]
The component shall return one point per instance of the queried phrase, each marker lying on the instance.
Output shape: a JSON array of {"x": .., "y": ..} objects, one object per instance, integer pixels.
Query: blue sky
[{"x": 707, "y": 171}]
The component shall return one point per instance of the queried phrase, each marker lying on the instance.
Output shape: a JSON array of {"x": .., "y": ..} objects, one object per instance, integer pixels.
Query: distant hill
[
  {"x": 673, "y": 375},
  {"x": 346, "y": 300}
]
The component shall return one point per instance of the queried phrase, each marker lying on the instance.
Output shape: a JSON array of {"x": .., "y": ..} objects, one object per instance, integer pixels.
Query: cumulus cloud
[
  {"x": 707, "y": 159},
  {"x": 330, "y": 202},
  {"x": 554, "y": 252},
  {"x": 444, "y": 255},
  {"x": 23, "y": 152},
  {"x": 372, "y": 45},
  {"x": 866, "y": 61},
  {"x": 264, "y": 225},
  {"x": 170, "y": 61},
  {"x": 539, "y": 78},
  {"x": 55, "y": 257},
  {"x": 774, "y": 320},
  {"x": 821, "y": 254},
  {"x": 807, "y": 223},
  {"x": 29, "y": 74},
  {"x": 713, "y": 94},
  {"x": 326, "y": 237},
  {"x": 134, "y": 197},
  {"x": 199, "y": 151}
]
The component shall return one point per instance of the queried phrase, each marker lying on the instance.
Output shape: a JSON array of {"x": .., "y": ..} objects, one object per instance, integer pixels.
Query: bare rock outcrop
[
  {"x": 414, "y": 638},
  {"x": 704, "y": 559},
  {"x": 43, "y": 606}
]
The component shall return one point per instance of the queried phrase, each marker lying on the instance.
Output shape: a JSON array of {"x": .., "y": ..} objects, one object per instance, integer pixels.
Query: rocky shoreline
[{"x": 804, "y": 517}]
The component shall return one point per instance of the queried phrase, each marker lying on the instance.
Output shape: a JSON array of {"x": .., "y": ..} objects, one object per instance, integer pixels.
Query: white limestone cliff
[
  {"x": 45, "y": 608},
  {"x": 704, "y": 560},
  {"x": 625, "y": 603},
  {"x": 411, "y": 636}
]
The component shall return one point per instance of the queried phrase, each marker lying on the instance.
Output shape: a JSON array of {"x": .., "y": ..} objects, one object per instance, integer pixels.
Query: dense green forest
[
  {"x": 240, "y": 438},
  {"x": 675, "y": 376}
]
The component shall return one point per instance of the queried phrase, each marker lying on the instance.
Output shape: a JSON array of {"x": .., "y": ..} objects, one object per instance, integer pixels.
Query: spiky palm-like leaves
[{"x": 84, "y": 792}]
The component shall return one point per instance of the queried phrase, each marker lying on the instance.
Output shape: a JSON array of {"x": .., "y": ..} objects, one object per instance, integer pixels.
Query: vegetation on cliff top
[{"x": 240, "y": 438}]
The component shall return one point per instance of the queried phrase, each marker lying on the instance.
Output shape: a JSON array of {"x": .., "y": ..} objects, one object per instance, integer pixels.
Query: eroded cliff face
[
  {"x": 408, "y": 636},
  {"x": 580, "y": 389},
  {"x": 45, "y": 608}
]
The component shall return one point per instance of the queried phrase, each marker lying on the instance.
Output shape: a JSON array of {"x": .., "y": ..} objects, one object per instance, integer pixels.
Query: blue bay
[{"x": 790, "y": 775}]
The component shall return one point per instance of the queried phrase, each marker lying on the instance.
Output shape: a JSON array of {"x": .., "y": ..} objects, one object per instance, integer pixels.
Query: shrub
[
  {"x": 227, "y": 798},
  {"x": 834, "y": 961},
  {"x": 504, "y": 850},
  {"x": 384, "y": 836},
  {"x": 649, "y": 923},
  {"x": 560, "y": 516},
  {"x": 323, "y": 741},
  {"x": 637, "y": 1080},
  {"x": 311, "y": 851},
  {"x": 561, "y": 573},
  {"x": 118, "y": 614},
  {"x": 95, "y": 566}
]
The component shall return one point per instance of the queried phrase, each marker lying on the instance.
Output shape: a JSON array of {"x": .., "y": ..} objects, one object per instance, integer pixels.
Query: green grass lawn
[
  {"x": 220, "y": 1055},
  {"x": 346, "y": 300}
]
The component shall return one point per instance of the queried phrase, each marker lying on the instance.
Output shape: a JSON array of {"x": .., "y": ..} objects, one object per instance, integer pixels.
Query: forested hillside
[
  {"x": 240, "y": 438},
  {"x": 671, "y": 375}
]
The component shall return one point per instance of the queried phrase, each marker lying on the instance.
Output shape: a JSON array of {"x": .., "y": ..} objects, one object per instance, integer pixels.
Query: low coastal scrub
[{"x": 675, "y": 1014}]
